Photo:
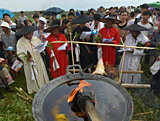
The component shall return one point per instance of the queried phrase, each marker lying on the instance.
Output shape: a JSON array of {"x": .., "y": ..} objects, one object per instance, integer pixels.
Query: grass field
[{"x": 13, "y": 108}]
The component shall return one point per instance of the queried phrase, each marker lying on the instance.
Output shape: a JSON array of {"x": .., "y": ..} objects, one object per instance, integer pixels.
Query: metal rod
[{"x": 91, "y": 111}]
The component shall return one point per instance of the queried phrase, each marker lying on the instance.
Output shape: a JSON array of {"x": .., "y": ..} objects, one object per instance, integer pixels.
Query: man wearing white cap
[
  {"x": 39, "y": 33},
  {"x": 8, "y": 36},
  {"x": 43, "y": 36}
]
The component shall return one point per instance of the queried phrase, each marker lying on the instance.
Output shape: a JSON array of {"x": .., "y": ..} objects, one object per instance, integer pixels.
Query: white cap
[
  {"x": 42, "y": 19},
  {"x": 5, "y": 24}
]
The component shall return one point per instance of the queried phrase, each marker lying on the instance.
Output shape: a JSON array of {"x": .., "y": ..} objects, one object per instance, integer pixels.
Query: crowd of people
[{"x": 130, "y": 26}]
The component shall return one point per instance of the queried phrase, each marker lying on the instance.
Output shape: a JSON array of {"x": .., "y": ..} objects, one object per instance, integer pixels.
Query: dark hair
[
  {"x": 19, "y": 26},
  {"x": 117, "y": 12},
  {"x": 35, "y": 16},
  {"x": 71, "y": 14},
  {"x": 124, "y": 12},
  {"x": 132, "y": 14},
  {"x": 6, "y": 14},
  {"x": 156, "y": 9},
  {"x": 137, "y": 11},
  {"x": 63, "y": 15},
  {"x": 90, "y": 13},
  {"x": 111, "y": 8},
  {"x": 65, "y": 21},
  {"x": 22, "y": 12},
  {"x": 116, "y": 8},
  {"x": 71, "y": 10},
  {"x": 146, "y": 13},
  {"x": 29, "y": 21},
  {"x": 144, "y": 6},
  {"x": 97, "y": 17},
  {"x": 101, "y": 7},
  {"x": 91, "y": 9},
  {"x": 114, "y": 15}
]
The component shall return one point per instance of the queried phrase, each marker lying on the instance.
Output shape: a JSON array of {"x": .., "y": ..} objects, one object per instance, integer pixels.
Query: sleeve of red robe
[{"x": 117, "y": 37}]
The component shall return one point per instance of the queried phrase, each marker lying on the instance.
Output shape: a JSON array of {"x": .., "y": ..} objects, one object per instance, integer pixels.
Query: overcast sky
[{"x": 27, "y": 5}]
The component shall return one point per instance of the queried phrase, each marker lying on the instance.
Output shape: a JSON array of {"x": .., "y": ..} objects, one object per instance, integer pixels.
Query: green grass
[{"x": 13, "y": 108}]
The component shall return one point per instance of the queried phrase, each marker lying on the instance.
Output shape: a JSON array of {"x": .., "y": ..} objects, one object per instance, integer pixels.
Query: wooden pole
[
  {"x": 72, "y": 52},
  {"x": 139, "y": 114},
  {"x": 121, "y": 41},
  {"x": 91, "y": 111},
  {"x": 136, "y": 85},
  {"x": 89, "y": 43},
  {"x": 135, "y": 72},
  {"x": 119, "y": 81}
]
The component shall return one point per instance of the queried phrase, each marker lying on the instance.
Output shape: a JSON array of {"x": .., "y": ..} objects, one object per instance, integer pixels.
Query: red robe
[
  {"x": 109, "y": 52},
  {"x": 60, "y": 55}
]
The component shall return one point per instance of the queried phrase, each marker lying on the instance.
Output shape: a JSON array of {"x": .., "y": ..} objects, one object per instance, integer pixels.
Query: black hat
[
  {"x": 82, "y": 19},
  {"x": 135, "y": 27},
  {"x": 49, "y": 29},
  {"x": 115, "y": 21},
  {"x": 27, "y": 29}
]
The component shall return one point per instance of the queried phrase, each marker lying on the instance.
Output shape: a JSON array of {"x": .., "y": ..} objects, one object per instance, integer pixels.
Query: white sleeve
[{"x": 138, "y": 52}]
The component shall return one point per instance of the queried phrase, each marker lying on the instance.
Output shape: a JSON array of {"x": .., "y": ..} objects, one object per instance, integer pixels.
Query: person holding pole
[
  {"x": 133, "y": 57},
  {"x": 58, "y": 57},
  {"x": 34, "y": 68},
  {"x": 110, "y": 35}
]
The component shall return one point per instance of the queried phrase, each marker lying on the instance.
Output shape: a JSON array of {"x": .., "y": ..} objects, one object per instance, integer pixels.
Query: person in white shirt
[
  {"x": 133, "y": 56},
  {"x": 144, "y": 7},
  {"x": 7, "y": 18},
  {"x": 145, "y": 23},
  {"x": 22, "y": 17}
]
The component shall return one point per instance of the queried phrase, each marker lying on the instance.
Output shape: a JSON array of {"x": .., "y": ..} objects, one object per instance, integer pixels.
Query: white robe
[
  {"x": 132, "y": 60},
  {"x": 23, "y": 45}
]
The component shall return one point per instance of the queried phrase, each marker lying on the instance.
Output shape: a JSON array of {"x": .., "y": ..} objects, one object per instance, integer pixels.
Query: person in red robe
[
  {"x": 110, "y": 35},
  {"x": 60, "y": 55}
]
